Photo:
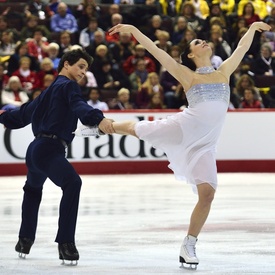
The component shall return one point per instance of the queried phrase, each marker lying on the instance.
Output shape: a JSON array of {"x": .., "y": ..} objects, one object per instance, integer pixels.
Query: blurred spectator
[
  {"x": 99, "y": 39},
  {"x": 220, "y": 18},
  {"x": 35, "y": 94},
  {"x": 148, "y": 88},
  {"x": 129, "y": 64},
  {"x": 105, "y": 20},
  {"x": 37, "y": 46},
  {"x": 88, "y": 14},
  {"x": 139, "y": 75},
  {"x": 53, "y": 6},
  {"x": 247, "y": 11},
  {"x": 188, "y": 11},
  {"x": 28, "y": 78},
  {"x": 46, "y": 67},
  {"x": 201, "y": 8},
  {"x": 227, "y": 6},
  {"x": 20, "y": 51},
  {"x": 13, "y": 96},
  {"x": 87, "y": 35},
  {"x": 154, "y": 26},
  {"x": 32, "y": 22},
  {"x": 94, "y": 96},
  {"x": 169, "y": 8},
  {"x": 65, "y": 42},
  {"x": 110, "y": 78},
  {"x": 252, "y": 10},
  {"x": 37, "y": 8},
  {"x": 4, "y": 26},
  {"x": 122, "y": 101},
  {"x": 3, "y": 78},
  {"x": 115, "y": 19},
  {"x": 188, "y": 36},
  {"x": 216, "y": 60},
  {"x": 265, "y": 63},
  {"x": 63, "y": 21},
  {"x": 48, "y": 79},
  {"x": 7, "y": 45},
  {"x": 81, "y": 8},
  {"x": 234, "y": 33},
  {"x": 222, "y": 48},
  {"x": 250, "y": 100},
  {"x": 122, "y": 49},
  {"x": 101, "y": 55},
  {"x": 156, "y": 102},
  {"x": 180, "y": 27},
  {"x": 53, "y": 51}
]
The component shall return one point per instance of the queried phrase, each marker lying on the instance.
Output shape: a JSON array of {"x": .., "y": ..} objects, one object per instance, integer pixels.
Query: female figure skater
[{"x": 189, "y": 138}]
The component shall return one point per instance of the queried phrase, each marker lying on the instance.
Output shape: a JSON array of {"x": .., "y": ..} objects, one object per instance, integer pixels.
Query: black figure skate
[
  {"x": 68, "y": 252},
  {"x": 188, "y": 258},
  {"x": 23, "y": 247}
]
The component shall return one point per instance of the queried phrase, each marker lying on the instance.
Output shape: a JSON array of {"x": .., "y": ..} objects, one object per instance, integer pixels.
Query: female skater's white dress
[{"x": 189, "y": 138}]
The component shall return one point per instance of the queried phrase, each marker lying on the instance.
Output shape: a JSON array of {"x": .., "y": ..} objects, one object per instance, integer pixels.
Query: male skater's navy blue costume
[{"x": 54, "y": 115}]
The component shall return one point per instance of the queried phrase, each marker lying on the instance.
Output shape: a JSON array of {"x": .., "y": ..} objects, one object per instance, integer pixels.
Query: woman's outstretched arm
[
  {"x": 172, "y": 66},
  {"x": 231, "y": 63}
]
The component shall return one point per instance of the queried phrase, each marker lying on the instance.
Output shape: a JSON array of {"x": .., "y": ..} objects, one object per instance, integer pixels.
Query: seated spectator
[
  {"x": 53, "y": 51},
  {"x": 139, "y": 76},
  {"x": 110, "y": 78},
  {"x": 65, "y": 43},
  {"x": 169, "y": 8},
  {"x": 4, "y": 26},
  {"x": 122, "y": 49},
  {"x": 105, "y": 20},
  {"x": 46, "y": 67},
  {"x": 81, "y": 9},
  {"x": 48, "y": 79},
  {"x": 88, "y": 13},
  {"x": 53, "y": 6},
  {"x": 150, "y": 86},
  {"x": 201, "y": 8},
  {"x": 35, "y": 94},
  {"x": 194, "y": 21},
  {"x": 3, "y": 77},
  {"x": 122, "y": 101},
  {"x": 252, "y": 10},
  {"x": 156, "y": 102},
  {"x": 94, "y": 96},
  {"x": 7, "y": 45},
  {"x": 28, "y": 78},
  {"x": 140, "y": 53},
  {"x": 227, "y": 6},
  {"x": 63, "y": 21},
  {"x": 20, "y": 51},
  {"x": 188, "y": 36},
  {"x": 13, "y": 96},
  {"x": 86, "y": 36},
  {"x": 32, "y": 22},
  {"x": 180, "y": 27},
  {"x": 99, "y": 39},
  {"x": 265, "y": 63},
  {"x": 37, "y": 8},
  {"x": 101, "y": 55},
  {"x": 250, "y": 100},
  {"x": 154, "y": 26},
  {"x": 37, "y": 46},
  {"x": 222, "y": 48},
  {"x": 116, "y": 19}
]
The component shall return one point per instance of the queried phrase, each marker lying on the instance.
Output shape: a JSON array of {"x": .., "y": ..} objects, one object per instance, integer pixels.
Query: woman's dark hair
[
  {"x": 185, "y": 60},
  {"x": 73, "y": 56}
]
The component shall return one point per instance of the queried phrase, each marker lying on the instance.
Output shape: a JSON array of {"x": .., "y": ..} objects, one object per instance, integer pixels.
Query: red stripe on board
[{"x": 146, "y": 167}]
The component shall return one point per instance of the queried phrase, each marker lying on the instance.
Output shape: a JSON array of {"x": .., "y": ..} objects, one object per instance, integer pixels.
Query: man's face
[{"x": 76, "y": 71}]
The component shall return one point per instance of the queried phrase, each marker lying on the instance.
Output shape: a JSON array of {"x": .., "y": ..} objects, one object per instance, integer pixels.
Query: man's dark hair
[
  {"x": 73, "y": 56},
  {"x": 185, "y": 60}
]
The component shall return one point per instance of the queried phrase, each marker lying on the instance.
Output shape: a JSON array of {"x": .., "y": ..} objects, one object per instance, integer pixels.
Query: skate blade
[
  {"x": 189, "y": 266},
  {"x": 22, "y": 255},
  {"x": 69, "y": 262}
]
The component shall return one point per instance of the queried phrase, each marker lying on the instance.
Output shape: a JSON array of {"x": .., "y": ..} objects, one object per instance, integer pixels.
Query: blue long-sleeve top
[{"x": 56, "y": 111}]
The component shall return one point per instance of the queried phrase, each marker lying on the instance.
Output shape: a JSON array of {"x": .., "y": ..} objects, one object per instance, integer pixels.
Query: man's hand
[{"x": 106, "y": 126}]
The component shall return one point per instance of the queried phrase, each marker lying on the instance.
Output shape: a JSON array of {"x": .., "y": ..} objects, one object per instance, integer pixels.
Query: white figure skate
[
  {"x": 87, "y": 131},
  {"x": 188, "y": 258}
]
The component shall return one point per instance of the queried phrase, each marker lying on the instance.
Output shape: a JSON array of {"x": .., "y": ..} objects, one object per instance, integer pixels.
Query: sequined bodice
[{"x": 208, "y": 92}]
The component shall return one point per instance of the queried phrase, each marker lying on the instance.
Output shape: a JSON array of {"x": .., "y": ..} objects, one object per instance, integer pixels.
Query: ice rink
[{"x": 135, "y": 224}]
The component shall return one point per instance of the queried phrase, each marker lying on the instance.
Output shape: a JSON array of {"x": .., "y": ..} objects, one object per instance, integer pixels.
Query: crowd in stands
[{"x": 124, "y": 75}]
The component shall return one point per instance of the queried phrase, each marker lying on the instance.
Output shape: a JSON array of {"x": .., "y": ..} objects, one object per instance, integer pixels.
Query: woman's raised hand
[{"x": 121, "y": 28}]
